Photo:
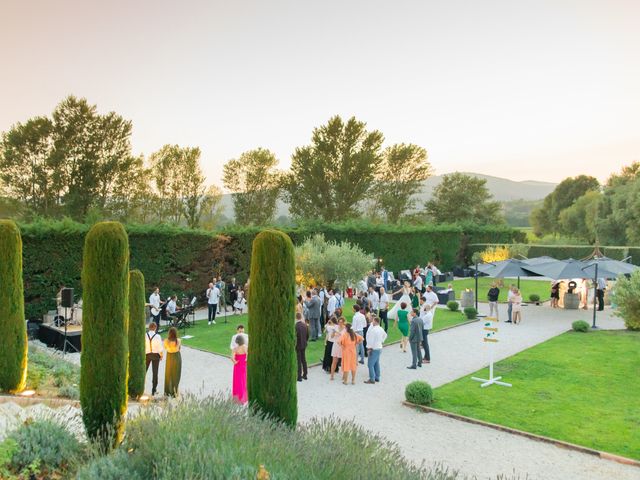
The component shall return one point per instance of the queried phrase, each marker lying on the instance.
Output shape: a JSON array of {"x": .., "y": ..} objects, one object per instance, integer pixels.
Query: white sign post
[{"x": 490, "y": 331}]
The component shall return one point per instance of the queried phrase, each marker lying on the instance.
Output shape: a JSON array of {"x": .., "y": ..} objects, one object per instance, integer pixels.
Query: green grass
[
  {"x": 216, "y": 338},
  {"x": 582, "y": 388},
  {"x": 527, "y": 287}
]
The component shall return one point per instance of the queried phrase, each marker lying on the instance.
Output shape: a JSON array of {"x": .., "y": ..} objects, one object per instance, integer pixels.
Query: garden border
[{"x": 532, "y": 436}]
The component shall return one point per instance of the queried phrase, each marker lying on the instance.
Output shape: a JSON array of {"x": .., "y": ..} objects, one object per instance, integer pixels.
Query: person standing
[
  {"x": 403, "y": 325},
  {"x": 155, "y": 304},
  {"x": 510, "y": 295},
  {"x": 173, "y": 367},
  {"x": 348, "y": 341},
  {"x": 418, "y": 283},
  {"x": 375, "y": 338},
  {"x": 330, "y": 331},
  {"x": 385, "y": 278},
  {"x": 492, "y": 296},
  {"x": 302, "y": 336},
  {"x": 516, "y": 310},
  {"x": 359, "y": 323},
  {"x": 374, "y": 301},
  {"x": 322, "y": 294},
  {"x": 415, "y": 338},
  {"x": 426, "y": 313},
  {"x": 336, "y": 350},
  {"x": 313, "y": 308},
  {"x": 332, "y": 304},
  {"x": 584, "y": 294},
  {"x": 153, "y": 354},
  {"x": 239, "y": 333},
  {"x": 600, "y": 288},
  {"x": 239, "y": 359},
  {"x": 213, "y": 296},
  {"x": 232, "y": 292},
  {"x": 383, "y": 308}
]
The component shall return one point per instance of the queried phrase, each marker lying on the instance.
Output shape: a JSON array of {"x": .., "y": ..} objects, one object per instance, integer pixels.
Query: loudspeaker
[{"x": 67, "y": 297}]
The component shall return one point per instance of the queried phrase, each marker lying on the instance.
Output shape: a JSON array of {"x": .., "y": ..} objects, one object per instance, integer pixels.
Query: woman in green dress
[
  {"x": 173, "y": 367},
  {"x": 403, "y": 325},
  {"x": 415, "y": 299}
]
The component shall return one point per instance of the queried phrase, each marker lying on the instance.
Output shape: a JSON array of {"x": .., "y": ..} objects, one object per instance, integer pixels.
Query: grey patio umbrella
[
  {"x": 537, "y": 260},
  {"x": 504, "y": 268},
  {"x": 571, "y": 268}
]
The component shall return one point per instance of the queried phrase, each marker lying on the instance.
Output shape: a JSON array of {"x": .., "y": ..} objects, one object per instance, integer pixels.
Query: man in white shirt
[
  {"x": 358, "y": 323},
  {"x": 417, "y": 283},
  {"x": 153, "y": 354},
  {"x": 332, "y": 304},
  {"x": 374, "y": 300},
  {"x": 375, "y": 338},
  {"x": 322, "y": 294},
  {"x": 239, "y": 331},
  {"x": 154, "y": 303},
  {"x": 213, "y": 296},
  {"x": 426, "y": 313},
  {"x": 431, "y": 298},
  {"x": 383, "y": 308}
]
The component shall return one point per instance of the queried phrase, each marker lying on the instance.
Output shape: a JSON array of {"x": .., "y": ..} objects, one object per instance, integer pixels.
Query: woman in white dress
[{"x": 406, "y": 291}]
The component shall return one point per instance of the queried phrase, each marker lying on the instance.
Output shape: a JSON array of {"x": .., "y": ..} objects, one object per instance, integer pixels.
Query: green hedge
[
  {"x": 137, "y": 323},
  {"x": 183, "y": 261}
]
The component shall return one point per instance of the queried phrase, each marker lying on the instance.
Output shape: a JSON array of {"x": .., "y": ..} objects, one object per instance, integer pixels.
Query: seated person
[{"x": 172, "y": 307}]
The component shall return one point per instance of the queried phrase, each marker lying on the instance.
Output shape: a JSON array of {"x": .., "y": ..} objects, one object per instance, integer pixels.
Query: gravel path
[{"x": 471, "y": 449}]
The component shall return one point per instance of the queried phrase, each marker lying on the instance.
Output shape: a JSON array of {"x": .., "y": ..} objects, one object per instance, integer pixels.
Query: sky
[{"x": 526, "y": 90}]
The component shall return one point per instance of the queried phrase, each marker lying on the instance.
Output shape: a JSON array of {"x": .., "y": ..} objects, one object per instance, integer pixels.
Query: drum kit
[{"x": 68, "y": 316}]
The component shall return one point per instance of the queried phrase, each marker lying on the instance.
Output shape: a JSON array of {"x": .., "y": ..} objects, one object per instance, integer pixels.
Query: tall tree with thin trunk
[
  {"x": 271, "y": 377},
  {"x": 13, "y": 354}
]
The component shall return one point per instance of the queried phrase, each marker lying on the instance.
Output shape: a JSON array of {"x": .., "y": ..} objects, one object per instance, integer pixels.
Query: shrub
[
  {"x": 626, "y": 295},
  {"x": 137, "y": 322},
  {"x": 419, "y": 392},
  {"x": 103, "y": 370},
  {"x": 69, "y": 391},
  {"x": 212, "y": 438},
  {"x": 44, "y": 444},
  {"x": 580, "y": 326},
  {"x": 534, "y": 297},
  {"x": 453, "y": 305},
  {"x": 271, "y": 376},
  {"x": 13, "y": 354},
  {"x": 115, "y": 466},
  {"x": 470, "y": 312}
]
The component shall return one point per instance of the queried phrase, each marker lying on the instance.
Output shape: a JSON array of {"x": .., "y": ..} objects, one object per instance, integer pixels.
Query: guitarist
[{"x": 155, "y": 304}]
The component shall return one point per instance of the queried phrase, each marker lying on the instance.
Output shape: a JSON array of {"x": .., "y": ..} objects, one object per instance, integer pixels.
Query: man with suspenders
[{"x": 153, "y": 350}]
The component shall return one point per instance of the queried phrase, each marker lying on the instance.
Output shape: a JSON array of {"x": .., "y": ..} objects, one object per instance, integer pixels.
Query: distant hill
[{"x": 503, "y": 190}]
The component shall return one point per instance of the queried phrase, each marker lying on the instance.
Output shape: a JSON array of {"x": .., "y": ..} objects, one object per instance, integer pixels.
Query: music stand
[{"x": 66, "y": 340}]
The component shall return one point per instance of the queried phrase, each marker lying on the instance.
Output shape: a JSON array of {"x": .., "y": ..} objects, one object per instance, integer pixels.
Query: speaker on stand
[{"x": 66, "y": 303}]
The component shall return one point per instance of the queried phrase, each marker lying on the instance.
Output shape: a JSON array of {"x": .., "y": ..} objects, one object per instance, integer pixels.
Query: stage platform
[{"x": 53, "y": 336}]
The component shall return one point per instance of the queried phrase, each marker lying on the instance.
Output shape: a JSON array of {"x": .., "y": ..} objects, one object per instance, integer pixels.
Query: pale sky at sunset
[{"x": 521, "y": 89}]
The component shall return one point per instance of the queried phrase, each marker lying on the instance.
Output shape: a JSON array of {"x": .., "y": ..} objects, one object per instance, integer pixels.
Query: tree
[
  {"x": 271, "y": 377},
  {"x": 323, "y": 262},
  {"x": 13, "y": 355},
  {"x": 105, "y": 353},
  {"x": 27, "y": 166},
  {"x": 463, "y": 198},
  {"x": 331, "y": 177},
  {"x": 579, "y": 220},
  {"x": 255, "y": 183},
  {"x": 545, "y": 219},
  {"x": 627, "y": 297},
  {"x": 136, "y": 334},
  {"x": 403, "y": 169},
  {"x": 619, "y": 212}
]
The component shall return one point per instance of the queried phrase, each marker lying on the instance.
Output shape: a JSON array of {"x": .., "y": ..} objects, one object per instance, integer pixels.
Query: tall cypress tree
[
  {"x": 103, "y": 373},
  {"x": 271, "y": 377},
  {"x": 13, "y": 354},
  {"x": 137, "y": 322}
]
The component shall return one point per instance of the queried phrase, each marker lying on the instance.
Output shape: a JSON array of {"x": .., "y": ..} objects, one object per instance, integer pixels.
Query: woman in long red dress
[
  {"x": 348, "y": 342},
  {"x": 239, "y": 359}
]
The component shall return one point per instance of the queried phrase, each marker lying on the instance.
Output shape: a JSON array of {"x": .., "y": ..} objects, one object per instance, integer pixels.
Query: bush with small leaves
[
  {"x": 626, "y": 295},
  {"x": 453, "y": 305},
  {"x": 534, "y": 297},
  {"x": 470, "y": 313},
  {"x": 419, "y": 392},
  {"x": 69, "y": 391},
  {"x": 580, "y": 326},
  {"x": 45, "y": 444}
]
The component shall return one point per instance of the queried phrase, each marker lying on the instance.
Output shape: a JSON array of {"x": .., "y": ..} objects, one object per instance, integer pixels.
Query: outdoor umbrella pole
[
  {"x": 595, "y": 295},
  {"x": 518, "y": 282},
  {"x": 476, "y": 287}
]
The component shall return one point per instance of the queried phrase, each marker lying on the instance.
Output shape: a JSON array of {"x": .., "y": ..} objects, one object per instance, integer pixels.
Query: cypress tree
[
  {"x": 103, "y": 373},
  {"x": 13, "y": 354},
  {"x": 271, "y": 377},
  {"x": 137, "y": 323}
]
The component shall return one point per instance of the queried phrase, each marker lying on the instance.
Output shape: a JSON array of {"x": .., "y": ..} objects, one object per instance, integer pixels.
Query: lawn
[
  {"x": 527, "y": 287},
  {"x": 216, "y": 338},
  {"x": 582, "y": 388}
]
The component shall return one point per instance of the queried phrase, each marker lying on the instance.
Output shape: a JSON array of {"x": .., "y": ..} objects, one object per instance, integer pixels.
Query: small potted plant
[{"x": 534, "y": 298}]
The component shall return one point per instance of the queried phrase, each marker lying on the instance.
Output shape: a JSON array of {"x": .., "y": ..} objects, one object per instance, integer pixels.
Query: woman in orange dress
[{"x": 348, "y": 342}]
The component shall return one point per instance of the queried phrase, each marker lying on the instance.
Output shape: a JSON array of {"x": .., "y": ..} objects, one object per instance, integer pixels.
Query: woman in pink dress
[
  {"x": 348, "y": 342},
  {"x": 239, "y": 359}
]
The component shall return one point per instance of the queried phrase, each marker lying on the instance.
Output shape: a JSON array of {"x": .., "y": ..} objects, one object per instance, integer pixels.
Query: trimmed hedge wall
[{"x": 182, "y": 261}]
